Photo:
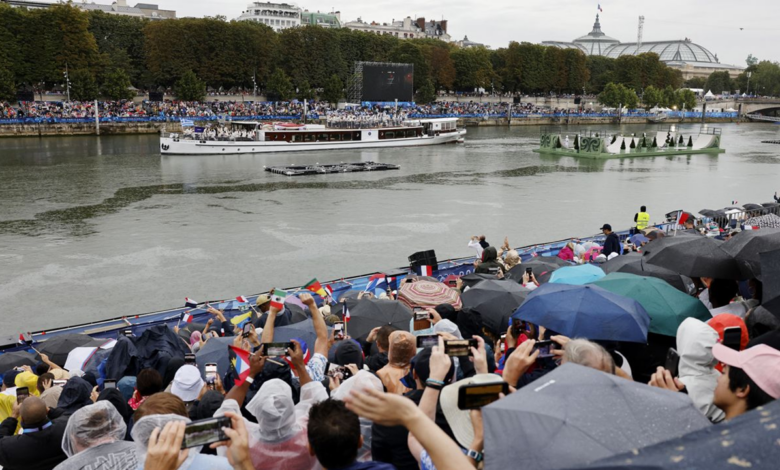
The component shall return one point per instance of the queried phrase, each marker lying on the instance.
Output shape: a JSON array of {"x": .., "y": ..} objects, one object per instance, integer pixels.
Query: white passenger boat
[{"x": 257, "y": 137}]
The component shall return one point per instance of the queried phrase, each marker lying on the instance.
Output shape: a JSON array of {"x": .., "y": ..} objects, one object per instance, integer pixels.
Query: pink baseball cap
[{"x": 761, "y": 363}]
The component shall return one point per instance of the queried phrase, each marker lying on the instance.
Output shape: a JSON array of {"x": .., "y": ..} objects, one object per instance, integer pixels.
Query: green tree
[
  {"x": 695, "y": 82},
  {"x": 334, "y": 90},
  {"x": 280, "y": 85},
  {"x": 686, "y": 99},
  {"x": 83, "y": 86},
  {"x": 426, "y": 93},
  {"x": 751, "y": 60},
  {"x": 718, "y": 82},
  {"x": 602, "y": 71},
  {"x": 473, "y": 68},
  {"x": 616, "y": 95},
  {"x": 440, "y": 64},
  {"x": 409, "y": 52},
  {"x": 305, "y": 91},
  {"x": 116, "y": 85},
  {"x": 190, "y": 87},
  {"x": 652, "y": 97},
  {"x": 669, "y": 97},
  {"x": 7, "y": 85}
]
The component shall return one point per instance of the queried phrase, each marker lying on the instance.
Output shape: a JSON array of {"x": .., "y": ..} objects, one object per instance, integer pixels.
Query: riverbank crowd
[{"x": 541, "y": 361}]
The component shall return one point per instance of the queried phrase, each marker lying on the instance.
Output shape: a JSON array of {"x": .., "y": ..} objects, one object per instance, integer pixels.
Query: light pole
[
  {"x": 67, "y": 81},
  {"x": 747, "y": 92}
]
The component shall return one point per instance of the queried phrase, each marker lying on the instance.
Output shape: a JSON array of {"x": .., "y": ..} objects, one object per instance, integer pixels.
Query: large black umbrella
[
  {"x": 575, "y": 415},
  {"x": 471, "y": 280},
  {"x": 543, "y": 267},
  {"x": 367, "y": 314},
  {"x": 58, "y": 347},
  {"x": 770, "y": 267},
  {"x": 746, "y": 246},
  {"x": 303, "y": 330},
  {"x": 751, "y": 440},
  {"x": 298, "y": 314},
  {"x": 12, "y": 359},
  {"x": 215, "y": 351},
  {"x": 693, "y": 256},
  {"x": 496, "y": 301},
  {"x": 753, "y": 207},
  {"x": 616, "y": 263}
]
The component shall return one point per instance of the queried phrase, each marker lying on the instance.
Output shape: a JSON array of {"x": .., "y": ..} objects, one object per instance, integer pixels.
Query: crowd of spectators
[{"x": 378, "y": 400}]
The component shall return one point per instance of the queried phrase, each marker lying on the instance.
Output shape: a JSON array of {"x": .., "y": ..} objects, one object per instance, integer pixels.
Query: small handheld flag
[
  {"x": 347, "y": 316},
  {"x": 242, "y": 365},
  {"x": 682, "y": 216},
  {"x": 315, "y": 286},
  {"x": 392, "y": 283},
  {"x": 424, "y": 270},
  {"x": 277, "y": 299},
  {"x": 238, "y": 320},
  {"x": 377, "y": 281},
  {"x": 600, "y": 10},
  {"x": 329, "y": 289},
  {"x": 190, "y": 303},
  {"x": 186, "y": 317},
  {"x": 23, "y": 340},
  {"x": 241, "y": 299}
]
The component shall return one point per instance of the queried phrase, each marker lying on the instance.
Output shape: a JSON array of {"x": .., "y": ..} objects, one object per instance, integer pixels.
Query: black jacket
[
  {"x": 40, "y": 450},
  {"x": 611, "y": 245},
  {"x": 490, "y": 263}
]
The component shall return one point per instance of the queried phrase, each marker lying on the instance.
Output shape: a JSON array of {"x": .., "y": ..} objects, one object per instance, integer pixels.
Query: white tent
[
  {"x": 709, "y": 94},
  {"x": 731, "y": 110}
]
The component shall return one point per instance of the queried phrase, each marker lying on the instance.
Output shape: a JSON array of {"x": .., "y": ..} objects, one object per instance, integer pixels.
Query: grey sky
[{"x": 714, "y": 24}]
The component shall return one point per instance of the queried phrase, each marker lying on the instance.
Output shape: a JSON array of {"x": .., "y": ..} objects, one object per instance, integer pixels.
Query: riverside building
[
  {"x": 278, "y": 16},
  {"x": 404, "y": 29}
]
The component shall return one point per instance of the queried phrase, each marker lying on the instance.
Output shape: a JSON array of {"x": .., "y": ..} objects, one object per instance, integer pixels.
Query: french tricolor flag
[
  {"x": 23, "y": 340},
  {"x": 425, "y": 270},
  {"x": 186, "y": 317},
  {"x": 241, "y": 299},
  {"x": 392, "y": 282},
  {"x": 190, "y": 303},
  {"x": 534, "y": 254},
  {"x": 347, "y": 316}
]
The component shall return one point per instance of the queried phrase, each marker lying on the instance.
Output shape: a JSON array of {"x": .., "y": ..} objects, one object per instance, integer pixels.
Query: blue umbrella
[
  {"x": 638, "y": 239},
  {"x": 585, "y": 312},
  {"x": 577, "y": 275}
]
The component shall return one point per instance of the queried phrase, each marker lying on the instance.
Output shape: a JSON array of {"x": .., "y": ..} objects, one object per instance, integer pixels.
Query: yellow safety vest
[{"x": 642, "y": 220}]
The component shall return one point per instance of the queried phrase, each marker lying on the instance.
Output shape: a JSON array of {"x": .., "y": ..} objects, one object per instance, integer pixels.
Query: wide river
[{"x": 94, "y": 228}]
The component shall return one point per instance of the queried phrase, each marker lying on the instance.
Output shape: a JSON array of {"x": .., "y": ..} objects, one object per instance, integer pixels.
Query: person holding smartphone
[
  {"x": 39, "y": 446},
  {"x": 529, "y": 280}
]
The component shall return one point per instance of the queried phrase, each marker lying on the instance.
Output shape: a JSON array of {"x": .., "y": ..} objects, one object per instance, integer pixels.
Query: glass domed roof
[
  {"x": 595, "y": 42},
  {"x": 668, "y": 51}
]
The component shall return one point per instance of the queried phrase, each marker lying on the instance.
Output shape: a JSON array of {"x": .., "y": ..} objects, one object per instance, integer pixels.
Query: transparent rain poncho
[
  {"x": 142, "y": 430},
  {"x": 278, "y": 441},
  {"x": 361, "y": 381},
  {"x": 91, "y": 426}
]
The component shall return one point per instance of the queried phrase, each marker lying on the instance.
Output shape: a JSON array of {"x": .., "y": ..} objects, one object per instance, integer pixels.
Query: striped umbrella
[{"x": 428, "y": 294}]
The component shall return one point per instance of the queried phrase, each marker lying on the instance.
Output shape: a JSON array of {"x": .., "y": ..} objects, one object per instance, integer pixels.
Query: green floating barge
[{"x": 660, "y": 143}]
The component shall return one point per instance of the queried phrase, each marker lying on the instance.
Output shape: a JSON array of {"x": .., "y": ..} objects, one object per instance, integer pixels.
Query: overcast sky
[{"x": 714, "y": 24}]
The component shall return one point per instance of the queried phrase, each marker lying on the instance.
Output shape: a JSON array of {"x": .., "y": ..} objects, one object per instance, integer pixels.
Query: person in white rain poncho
[
  {"x": 360, "y": 382},
  {"x": 278, "y": 441},
  {"x": 94, "y": 439}
]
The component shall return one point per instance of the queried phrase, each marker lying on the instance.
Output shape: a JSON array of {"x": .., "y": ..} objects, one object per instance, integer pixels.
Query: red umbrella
[{"x": 428, "y": 294}]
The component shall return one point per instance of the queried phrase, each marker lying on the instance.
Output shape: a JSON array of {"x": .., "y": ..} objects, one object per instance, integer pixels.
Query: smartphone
[
  {"x": 459, "y": 347},
  {"x": 340, "y": 372},
  {"x": 189, "y": 359},
  {"x": 128, "y": 333},
  {"x": 109, "y": 383},
  {"x": 422, "y": 319},
  {"x": 673, "y": 362},
  {"x": 277, "y": 349},
  {"x": 475, "y": 396},
  {"x": 338, "y": 331},
  {"x": 516, "y": 327},
  {"x": 529, "y": 271},
  {"x": 545, "y": 348},
  {"x": 205, "y": 431},
  {"x": 246, "y": 330},
  {"x": 732, "y": 337},
  {"x": 452, "y": 283},
  {"x": 427, "y": 341},
  {"x": 420, "y": 314},
  {"x": 502, "y": 343},
  {"x": 211, "y": 374},
  {"x": 21, "y": 394}
]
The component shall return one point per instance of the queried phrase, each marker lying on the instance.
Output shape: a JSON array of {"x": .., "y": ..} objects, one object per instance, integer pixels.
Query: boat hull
[{"x": 169, "y": 146}]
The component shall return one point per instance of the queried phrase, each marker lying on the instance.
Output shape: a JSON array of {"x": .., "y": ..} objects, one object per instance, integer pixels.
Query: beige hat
[
  {"x": 460, "y": 420},
  {"x": 263, "y": 299}
]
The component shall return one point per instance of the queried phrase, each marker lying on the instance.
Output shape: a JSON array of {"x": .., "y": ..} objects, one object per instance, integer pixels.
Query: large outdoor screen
[{"x": 388, "y": 82}]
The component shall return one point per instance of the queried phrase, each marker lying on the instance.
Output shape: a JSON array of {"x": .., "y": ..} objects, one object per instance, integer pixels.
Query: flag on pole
[
  {"x": 534, "y": 254},
  {"x": 424, "y": 270},
  {"x": 600, "y": 10},
  {"x": 277, "y": 299},
  {"x": 242, "y": 299},
  {"x": 191, "y": 303},
  {"x": 347, "y": 316},
  {"x": 315, "y": 286},
  {"x": 734, "y": 203},
  {"x": 23, "y": 340},
  {"x": 239, "y": 320},
  {"x": 329, "y": 289},
  {"x": 377, "y": 281},
  {"x": 392, "y": 283},
  {"x": 242, "y": 365},
  {"x": 682, "y": 216},
  {"x": 186, "y": 317}
]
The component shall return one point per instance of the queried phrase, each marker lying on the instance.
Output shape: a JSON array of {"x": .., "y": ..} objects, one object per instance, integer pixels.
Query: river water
[{"x": 94, "y": 228}]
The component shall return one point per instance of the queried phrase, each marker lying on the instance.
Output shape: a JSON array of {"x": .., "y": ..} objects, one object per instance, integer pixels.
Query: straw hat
[{"x": 460, "y": 420}]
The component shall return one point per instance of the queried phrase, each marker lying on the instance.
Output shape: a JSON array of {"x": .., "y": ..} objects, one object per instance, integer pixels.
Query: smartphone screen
[
  {"x": 205, "y": 431},
  {"x": 338, "y": 372},
  {"x": 338, "y": 331},
  {"x": 276, "y": 349},
  {"x": 247, "y": 330},
  {"x": 545, "y": 348},
  {"x": 529, "y": 271},
  {"x": 189, "y": 359},
  {"x": 109, "y": 384},
  {"x": 421, "y": 315},
  {"x": 427, "y": 341},
  {"x": 476, "y": 396},
  {"x": 673, "y": 362},
  {"x": 21, "y": 394},
  {"x": 732, "y": 337},
  {"x": 459, "y": 347},
  {"x": 211, "y": 373}
]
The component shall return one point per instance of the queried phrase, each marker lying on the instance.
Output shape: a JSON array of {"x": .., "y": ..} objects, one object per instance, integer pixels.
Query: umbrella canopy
[
  {"x": 692, "y": 255},
  {"x": 577, "y": 275},
  {"x": 58, "y": 347},
  {"x": 678, "y": 281},
  {"x": 428, "y": 294},
  {"x": 542, "y": 266},
  {"x": 575, "y": 415},
  {"x": 12, "y": 359},
  {"x": 298, "y": 314},
  {"x": 496, "y": 301},
  {"x": 746, "y": 246},
  {"x": 303, "y": 330},
  {"x": 471, "y": 280},
  {"x": 667, "y": 306},
  {"x": 618, "y": 262},
  {"x": 367, "y": 314},
  {"x": 748, "y": 441},
  {"x": 770, "y": 266},
  {"x": 585, "y": 312},
  {"x": 215, "y": 350},
  {"x": 638, "y": 239},
  {"x": 752, "y": 207},
  {"x": 764, "y": 221}
]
